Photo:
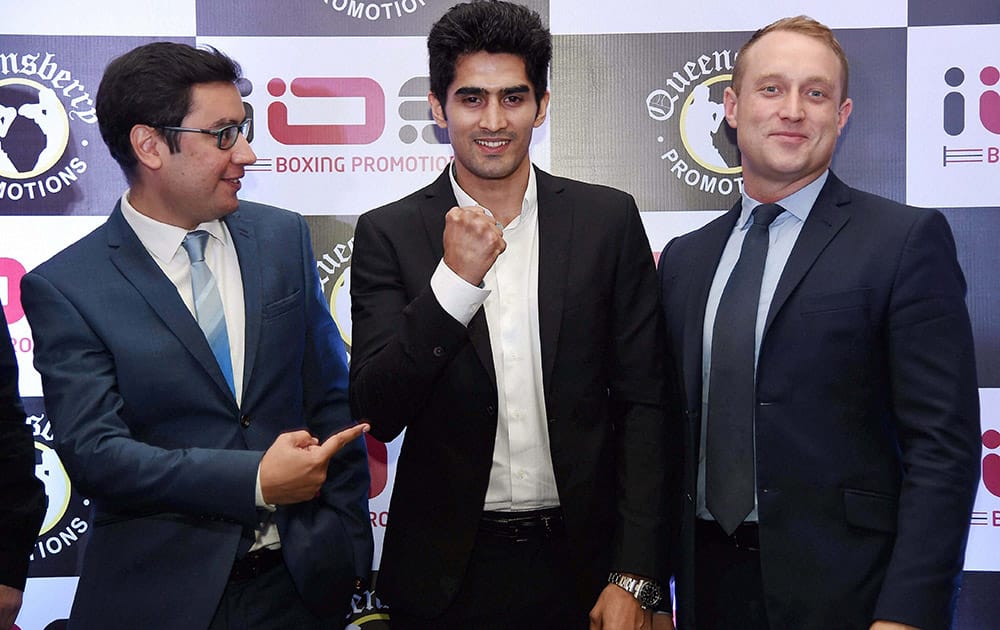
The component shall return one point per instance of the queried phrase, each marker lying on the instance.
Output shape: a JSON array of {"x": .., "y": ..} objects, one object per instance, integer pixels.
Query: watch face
[{"x": 649, "y": 594}]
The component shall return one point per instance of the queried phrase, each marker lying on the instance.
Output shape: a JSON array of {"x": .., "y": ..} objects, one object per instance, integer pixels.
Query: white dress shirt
[
  {"x": 521, "y": 477},
  {"x": 782, "y": 234},
  {"x": 163, "y": 242}
]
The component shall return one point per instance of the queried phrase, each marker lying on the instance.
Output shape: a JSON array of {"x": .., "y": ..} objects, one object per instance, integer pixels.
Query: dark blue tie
[
  {"x": 729, "y": 449},
  {"x": 208, "y": 303}
]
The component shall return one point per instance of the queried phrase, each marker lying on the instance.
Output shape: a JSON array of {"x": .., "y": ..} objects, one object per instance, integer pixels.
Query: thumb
[
  {"x": 337, "y": 441},
  {"x": 299, "y": 439}
]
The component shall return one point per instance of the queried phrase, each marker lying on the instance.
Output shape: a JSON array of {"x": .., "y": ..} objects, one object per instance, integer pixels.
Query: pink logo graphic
[
  {"x": 953, "y": 109},
  {"x": 378, "y": 466},
  {"x": 11, "y": 272},
  {"x": 991, "y": 463},
  {"x": 327, "y": 87}
]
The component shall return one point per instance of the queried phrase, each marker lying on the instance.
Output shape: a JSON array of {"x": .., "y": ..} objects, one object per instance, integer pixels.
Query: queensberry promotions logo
[
  {"x": 699, "y": 148},
  {"x": 40, "y": 103},
  {"x": 379, "y": 11},
  {"x": 971, "y": 112},
  {"x": 342, "y": 112},
  {"x": 65, "y": 523}
]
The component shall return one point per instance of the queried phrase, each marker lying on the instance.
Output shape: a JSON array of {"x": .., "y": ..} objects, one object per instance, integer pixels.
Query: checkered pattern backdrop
[{"x": 631, "y": 85}]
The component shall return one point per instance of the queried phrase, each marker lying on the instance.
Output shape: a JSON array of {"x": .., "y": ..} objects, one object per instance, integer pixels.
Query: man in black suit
[
  {"x": 835, "y": 487},
  {"x": 507, "y": 319},
  {"x": 22, "y": 499}
]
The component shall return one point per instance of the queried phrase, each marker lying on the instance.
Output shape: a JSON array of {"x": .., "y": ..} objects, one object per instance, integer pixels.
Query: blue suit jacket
[
  {"x": 867, "y": 421},
  {"x": 148, "y": 429}
]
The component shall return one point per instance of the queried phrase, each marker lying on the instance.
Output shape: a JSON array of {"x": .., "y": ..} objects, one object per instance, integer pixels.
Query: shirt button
[{"x": 244, "y": 421}]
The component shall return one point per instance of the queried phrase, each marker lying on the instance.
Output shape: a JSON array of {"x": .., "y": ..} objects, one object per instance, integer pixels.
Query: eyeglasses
[{"x": 225, "y": 137}]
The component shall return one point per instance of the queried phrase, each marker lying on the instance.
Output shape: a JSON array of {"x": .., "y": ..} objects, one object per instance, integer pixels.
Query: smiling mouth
[{"x": 492, "y": 144}]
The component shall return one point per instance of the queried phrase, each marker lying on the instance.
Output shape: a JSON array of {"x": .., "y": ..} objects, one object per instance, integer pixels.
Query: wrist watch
[{"x": 647, "y": 592}]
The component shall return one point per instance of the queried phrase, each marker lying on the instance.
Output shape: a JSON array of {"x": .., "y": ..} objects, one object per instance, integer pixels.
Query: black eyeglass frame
[{"x": 245, "y": 127}]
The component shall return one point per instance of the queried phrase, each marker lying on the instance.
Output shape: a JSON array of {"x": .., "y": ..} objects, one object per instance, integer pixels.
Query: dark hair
[
  {"x": 491, "y": 26},
  {"x": 151, "y": 85}
]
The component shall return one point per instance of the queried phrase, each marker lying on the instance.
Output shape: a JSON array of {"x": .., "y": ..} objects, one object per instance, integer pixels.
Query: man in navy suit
[
  {"x": 861, "y": 423},
  {"x": 193, "y": 406}
]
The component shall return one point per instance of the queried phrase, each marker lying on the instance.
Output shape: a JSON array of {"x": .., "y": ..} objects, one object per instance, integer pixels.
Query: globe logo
[
  {"x": 53, "y": 476},
  {"x": 340, "y": 305},
  {"x": 703, "y": 128},
  {"x": 34, "y": 128}
]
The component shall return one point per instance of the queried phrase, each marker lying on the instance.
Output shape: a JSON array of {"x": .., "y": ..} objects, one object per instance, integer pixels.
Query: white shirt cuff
[
  {"x": 261, "y": 503},
  {"x": 457, "y": 297}
]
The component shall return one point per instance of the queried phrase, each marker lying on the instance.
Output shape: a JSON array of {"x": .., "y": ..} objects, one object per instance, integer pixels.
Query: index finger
[{"x": 337, "y": 441}]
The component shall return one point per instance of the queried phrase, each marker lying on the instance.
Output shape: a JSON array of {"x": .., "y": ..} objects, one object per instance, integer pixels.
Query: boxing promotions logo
[
  {"x": 698, "y": 147},
  {"x": 41, "y": 102}
]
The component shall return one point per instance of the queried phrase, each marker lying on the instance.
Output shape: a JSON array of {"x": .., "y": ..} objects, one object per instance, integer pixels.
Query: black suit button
[
  {"x": 244, "y": 421},
  {"x": 438, "y": 351},
  {"x": 552, "y": 420},
  {"x": 491, "y": 410}
]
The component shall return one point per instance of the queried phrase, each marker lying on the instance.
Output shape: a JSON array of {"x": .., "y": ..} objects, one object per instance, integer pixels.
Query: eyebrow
[
  {"x": 478, "y": 91},
  {"x": 776, "y": 76}
]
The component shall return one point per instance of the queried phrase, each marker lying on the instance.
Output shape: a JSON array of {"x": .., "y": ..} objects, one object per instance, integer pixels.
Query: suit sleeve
[
  {"x": 343, "y": 500},
  {"x": 96, "y": 445},
  {"x": 935, "y": 404},
  {"x": 401, "y": 344},
  {"x": 638, "y": 388},
  {"x": 22, "y": 500}
]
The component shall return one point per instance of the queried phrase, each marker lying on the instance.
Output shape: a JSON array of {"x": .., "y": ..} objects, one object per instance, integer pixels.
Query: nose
[
  {"x": 242, "y": 153},
  {"x": 493, "y": 117},
  {"x": 791, "y": 107}
]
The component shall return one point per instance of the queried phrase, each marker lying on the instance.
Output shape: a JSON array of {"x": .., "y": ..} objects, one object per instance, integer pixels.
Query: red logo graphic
[
  {"x": 378, "y": 466},
  {"x": 11, "y": 272},
  {"x": 327, "y": 87},
  {"x": 991, "y": 463}
]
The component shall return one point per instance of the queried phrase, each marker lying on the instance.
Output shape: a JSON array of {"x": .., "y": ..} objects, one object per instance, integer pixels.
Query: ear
[
  {"x": 729, "y": 100},
  {"x": 148, "y": 146},
  {"x": 437, "y": 110},
  {"x": 843, "y": 113},
  {"x": 543, "y": 110}
]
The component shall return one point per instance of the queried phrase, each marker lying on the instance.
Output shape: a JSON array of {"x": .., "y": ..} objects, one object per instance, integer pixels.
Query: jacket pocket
[
  {"x": 282, "y": 306},
  {"x": 836, "y": 301},
  {"x": 871, "y": 510}
]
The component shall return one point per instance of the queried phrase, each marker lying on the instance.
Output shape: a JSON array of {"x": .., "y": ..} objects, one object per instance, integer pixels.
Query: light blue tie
[{"x": 208, "y": 303}]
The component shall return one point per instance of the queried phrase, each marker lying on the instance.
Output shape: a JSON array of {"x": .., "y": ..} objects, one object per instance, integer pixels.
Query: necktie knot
[
  {"x": 194, "y": 244},
  {"x": 766, "y": 213}
]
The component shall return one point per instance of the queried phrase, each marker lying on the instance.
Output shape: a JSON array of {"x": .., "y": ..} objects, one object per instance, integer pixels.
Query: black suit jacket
[
  {"x": 22, "y": 499},
  {"x": 415, "y": 367},
  {"x": 867, "y": 424}
]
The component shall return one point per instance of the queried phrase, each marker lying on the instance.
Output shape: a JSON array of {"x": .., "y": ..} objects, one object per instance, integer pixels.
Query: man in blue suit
[
  {"x": 194, "y": 377},
  {"x": 830, "y": 417}
]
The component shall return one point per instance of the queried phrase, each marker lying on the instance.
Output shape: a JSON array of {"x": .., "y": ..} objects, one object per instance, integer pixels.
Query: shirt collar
[
  {"x": 162, "y": 240},
  {"x": 798, "y": 204},
  {"x": 528, "y": 207}
]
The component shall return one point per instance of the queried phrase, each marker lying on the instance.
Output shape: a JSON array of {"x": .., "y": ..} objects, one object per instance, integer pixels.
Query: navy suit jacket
[
  {"x": 867, "y": 419},
  {"x": 415, "y": 367},
  {"x": 148, "y": 429}
]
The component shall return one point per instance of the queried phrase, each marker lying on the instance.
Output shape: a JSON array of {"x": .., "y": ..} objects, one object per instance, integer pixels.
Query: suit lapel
[
  {"x": 245, "y": 241},
  {"x": 827, "y": 217},
  {"x": 438, "y": 200},
  {"x": 555, "y": 232},
  {"x": 134, "y": 263},
  {"x": 702, "y": 269}
]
